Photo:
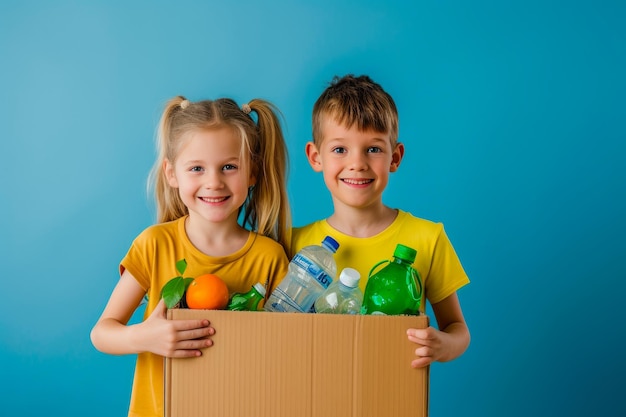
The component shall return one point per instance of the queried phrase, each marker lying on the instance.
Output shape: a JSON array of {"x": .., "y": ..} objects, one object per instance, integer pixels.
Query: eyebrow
[
  {"x": 234, "y": 159},
  {"x": 374, "y": 139},
  {"x": 378, "y": 139},
  {"x": 194, "y": 162}
]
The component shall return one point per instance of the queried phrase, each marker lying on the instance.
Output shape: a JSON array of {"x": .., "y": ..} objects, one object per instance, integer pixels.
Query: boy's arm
[{"x": 445, "y": 344}]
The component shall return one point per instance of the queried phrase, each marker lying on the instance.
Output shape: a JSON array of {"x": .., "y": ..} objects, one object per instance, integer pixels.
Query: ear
[
  {"x": 313, "y": 156},
  {"x": 170, "y": 174},
  {"x": 396, "y": 157}
]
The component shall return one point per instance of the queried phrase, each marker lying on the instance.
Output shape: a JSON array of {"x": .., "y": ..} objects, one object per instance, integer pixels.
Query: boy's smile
[{"x": 356, "y": 182}]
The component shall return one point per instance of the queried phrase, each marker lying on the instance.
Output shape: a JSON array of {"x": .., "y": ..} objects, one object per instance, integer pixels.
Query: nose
[
  {"x": 213, "y": 180},
  {"x": 357, "y": 162}
]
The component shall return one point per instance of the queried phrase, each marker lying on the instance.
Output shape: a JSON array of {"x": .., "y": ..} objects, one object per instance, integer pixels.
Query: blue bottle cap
[{"x": 330, "y": 243}]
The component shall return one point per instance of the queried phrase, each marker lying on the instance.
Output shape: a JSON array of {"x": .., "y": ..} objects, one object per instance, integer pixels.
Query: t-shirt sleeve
[
  {"x": 137, "y": 259},
  {"x": 447, "y": 274}
]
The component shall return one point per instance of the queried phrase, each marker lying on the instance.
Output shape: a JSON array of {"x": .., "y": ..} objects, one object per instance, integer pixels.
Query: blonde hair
[
  {"x": 264, "y": 153},
  {"x": 359, "y": 101}
]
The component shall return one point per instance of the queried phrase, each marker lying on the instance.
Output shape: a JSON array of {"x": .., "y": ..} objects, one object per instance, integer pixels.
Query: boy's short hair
[{"x": 359, "y": 101}]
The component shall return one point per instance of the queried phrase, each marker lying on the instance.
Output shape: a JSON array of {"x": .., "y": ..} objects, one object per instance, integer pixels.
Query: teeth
[
  {"x": 356, "y": 182},
  {"x": 213, "y": 200}
]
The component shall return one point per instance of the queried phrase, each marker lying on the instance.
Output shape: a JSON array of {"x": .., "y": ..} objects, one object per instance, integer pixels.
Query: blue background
[{"x": 513, "y": 117}]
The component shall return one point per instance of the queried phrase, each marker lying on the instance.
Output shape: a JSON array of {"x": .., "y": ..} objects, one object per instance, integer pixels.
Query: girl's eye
[
  {"x": 339, "y": 149},
  {"x": 229, "y": 167},
  {"x": 374, "y": 149},
  {"x": 196, "y": 169}
]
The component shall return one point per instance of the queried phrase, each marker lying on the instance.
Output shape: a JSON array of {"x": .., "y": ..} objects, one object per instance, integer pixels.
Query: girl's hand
[
  {"x": 174, "y": 338},
  {"x": 432, "y": 345}
]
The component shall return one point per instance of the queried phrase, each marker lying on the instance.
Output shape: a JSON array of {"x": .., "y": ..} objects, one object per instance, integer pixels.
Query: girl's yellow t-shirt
[{"x": 152, "y": 259}]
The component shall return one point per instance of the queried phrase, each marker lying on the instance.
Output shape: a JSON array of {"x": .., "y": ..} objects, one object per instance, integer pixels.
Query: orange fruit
[{"x": 207, "y": 291}]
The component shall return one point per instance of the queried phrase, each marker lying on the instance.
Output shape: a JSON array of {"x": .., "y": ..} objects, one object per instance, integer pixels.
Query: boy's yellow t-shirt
[
  {"x": 436, "y": 260},
  {"x": 152, "y": 259}
]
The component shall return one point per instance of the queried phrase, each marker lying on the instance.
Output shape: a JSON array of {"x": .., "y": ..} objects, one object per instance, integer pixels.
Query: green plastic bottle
[
  {"x": 395, "y": 289},
  {"x": 248, "y": 301}
]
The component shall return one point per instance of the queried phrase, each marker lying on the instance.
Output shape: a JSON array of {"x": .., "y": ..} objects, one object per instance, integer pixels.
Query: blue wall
[{"x": 513, "y": 116}]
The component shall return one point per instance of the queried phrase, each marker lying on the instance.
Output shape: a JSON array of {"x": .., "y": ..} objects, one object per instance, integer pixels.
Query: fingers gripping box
[{"x": 266, "y": 364}]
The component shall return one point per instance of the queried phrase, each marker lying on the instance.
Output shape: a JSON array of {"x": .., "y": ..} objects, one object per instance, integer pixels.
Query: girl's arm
[
  {"x": 445, "y": 344},
  {"x": 170, "y": 338}
]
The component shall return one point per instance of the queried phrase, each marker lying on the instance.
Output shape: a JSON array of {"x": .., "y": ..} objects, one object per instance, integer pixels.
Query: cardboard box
[{"x": 266, "y": 364}]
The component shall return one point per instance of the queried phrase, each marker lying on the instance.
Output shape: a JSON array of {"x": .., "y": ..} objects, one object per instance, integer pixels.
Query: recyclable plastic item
[
  {"x": 342, "y": 296},
  {"x": 310, "y": 272},
  {"x": 396, "y": 288},
  {"x": 248, "y": 301}
]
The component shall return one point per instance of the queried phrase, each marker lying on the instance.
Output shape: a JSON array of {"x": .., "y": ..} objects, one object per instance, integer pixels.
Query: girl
[{"x": 218, "y": 176}]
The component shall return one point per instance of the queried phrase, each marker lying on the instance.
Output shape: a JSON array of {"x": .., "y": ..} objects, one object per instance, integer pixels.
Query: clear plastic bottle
[
  {"x": 310, "y": 272},
  {"x": 343, "y": 296},
  {"x": 396, "y": 288},
  {"x": 248, "y": 301}
]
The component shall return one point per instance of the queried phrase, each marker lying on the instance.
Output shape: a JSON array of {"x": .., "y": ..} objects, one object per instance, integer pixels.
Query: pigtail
[
  {"x": 270, "y": 210},
  {"x": 168, "y": 202}
]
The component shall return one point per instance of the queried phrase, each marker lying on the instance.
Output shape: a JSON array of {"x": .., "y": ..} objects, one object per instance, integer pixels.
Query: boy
[{"x": 355, "y": 146}]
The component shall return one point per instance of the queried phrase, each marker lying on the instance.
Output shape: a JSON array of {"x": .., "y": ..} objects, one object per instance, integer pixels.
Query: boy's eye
[
  {"x": 374, "y": 149},
  {"x": 339, "y": 149}
]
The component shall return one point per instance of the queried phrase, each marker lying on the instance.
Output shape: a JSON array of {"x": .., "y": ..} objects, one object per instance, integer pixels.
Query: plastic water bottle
[
  {"x": 310, "y": 272},
  {"x": 342, "y": 296},
  {"x": 248, "y": 301},
  {"x": 396, "y": 288}
]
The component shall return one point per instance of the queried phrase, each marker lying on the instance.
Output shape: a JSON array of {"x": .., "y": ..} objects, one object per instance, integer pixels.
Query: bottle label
[
  {"x": 281, "y": 302},
  {"x": 312, "y": 269}
]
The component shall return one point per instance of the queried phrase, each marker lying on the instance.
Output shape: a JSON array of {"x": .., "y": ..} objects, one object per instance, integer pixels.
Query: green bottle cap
[{"x": 404, "y": 252}]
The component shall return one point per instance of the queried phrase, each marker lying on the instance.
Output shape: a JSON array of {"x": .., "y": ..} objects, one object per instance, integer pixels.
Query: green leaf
[
  {"x": 187, "y": 281},
  {"x": 183, "y": 301},
  {"x": 181, "y": 266},
  {"x": 173, "y": 291}
]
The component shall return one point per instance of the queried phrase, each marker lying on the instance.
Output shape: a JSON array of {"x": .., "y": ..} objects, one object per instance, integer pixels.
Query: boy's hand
[
  {"x": 441, "y": 345},
  {"x": 432, "y": 345},
  {"x": 174, "y": 338}
]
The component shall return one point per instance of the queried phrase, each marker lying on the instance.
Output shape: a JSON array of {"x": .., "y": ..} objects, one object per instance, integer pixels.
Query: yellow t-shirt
[
  {"x": 152, "y": 261},
  {"x": 436, "y": 261}
]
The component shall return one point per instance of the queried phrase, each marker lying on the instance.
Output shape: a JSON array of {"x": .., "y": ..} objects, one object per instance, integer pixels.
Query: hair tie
[
  {"x": 184, "y": 104},
  {"x": 246, "y": 108}
]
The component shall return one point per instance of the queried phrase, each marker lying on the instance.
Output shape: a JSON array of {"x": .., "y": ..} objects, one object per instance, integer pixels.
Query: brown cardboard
[{"x": 266, "y": 364}]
